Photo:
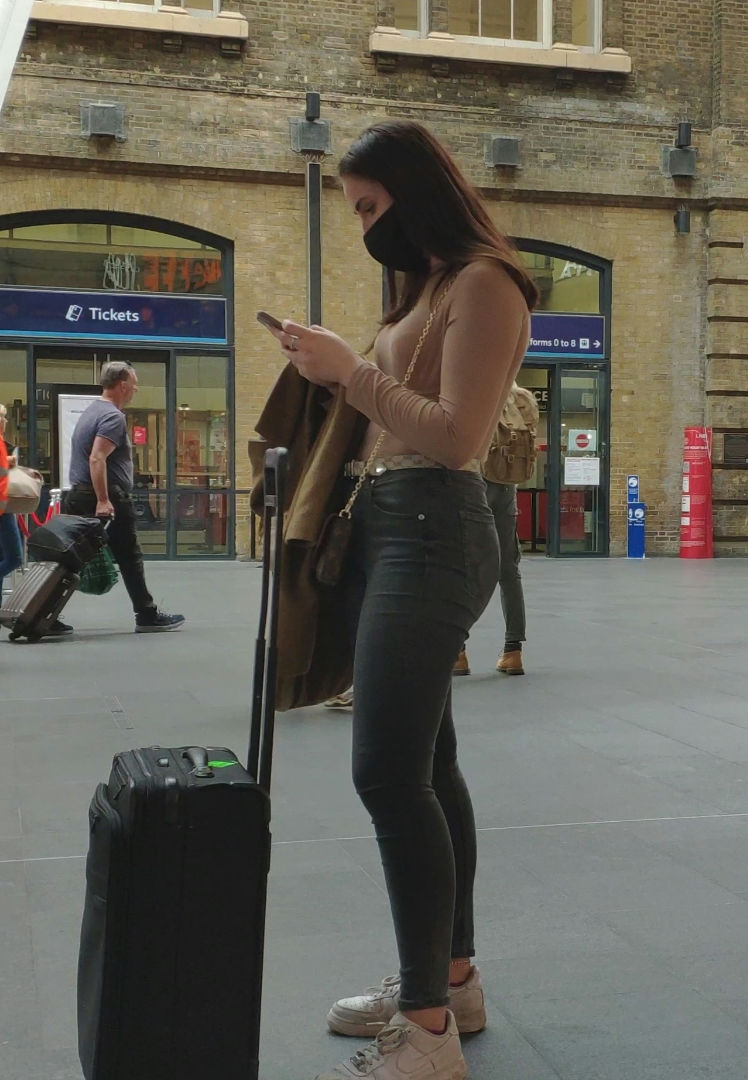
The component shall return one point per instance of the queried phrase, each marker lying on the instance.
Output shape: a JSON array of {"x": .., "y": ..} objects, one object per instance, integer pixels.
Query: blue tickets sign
[
  {"x": 114, "y": 316},
  {"x": 578, "y": 336}
]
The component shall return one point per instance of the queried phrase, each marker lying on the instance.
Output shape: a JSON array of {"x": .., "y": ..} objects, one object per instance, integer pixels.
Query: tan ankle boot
[
  {"x": 511, "y": 663},
  {"x": 461, "y": 664}
]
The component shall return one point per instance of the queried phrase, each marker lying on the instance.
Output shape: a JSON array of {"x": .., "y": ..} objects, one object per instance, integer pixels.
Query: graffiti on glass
[{"x": 120, "y": 273}]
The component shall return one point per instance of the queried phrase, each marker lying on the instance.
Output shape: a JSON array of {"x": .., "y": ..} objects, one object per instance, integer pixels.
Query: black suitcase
[
  {"x": 170, "y": 966},
  {"x": 37, "y": 600},
  {"x": 68, "y": 539}
]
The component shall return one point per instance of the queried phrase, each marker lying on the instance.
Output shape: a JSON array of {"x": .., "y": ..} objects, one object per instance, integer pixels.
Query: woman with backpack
[{"x": 510, "y": 461}]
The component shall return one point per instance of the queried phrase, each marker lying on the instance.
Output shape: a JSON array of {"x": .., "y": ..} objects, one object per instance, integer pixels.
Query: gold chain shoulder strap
[{"x": 346, "y": 511}]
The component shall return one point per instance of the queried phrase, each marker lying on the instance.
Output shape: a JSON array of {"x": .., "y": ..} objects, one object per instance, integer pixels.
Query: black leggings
[{"x": 423, "y": 567}]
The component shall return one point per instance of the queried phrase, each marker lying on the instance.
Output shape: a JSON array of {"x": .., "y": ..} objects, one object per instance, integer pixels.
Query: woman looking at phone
[{"x": 423, "y": 565}]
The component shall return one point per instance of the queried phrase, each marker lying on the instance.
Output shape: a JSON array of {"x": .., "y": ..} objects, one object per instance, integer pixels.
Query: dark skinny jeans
[{"x": 423, "y": 567}]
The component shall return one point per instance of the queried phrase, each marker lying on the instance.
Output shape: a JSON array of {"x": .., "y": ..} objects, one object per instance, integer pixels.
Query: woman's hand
[{"x": 319, "y": 355}]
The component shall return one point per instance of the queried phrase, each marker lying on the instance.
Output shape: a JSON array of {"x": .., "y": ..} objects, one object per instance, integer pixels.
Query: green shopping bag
[{"x": 100, "y": 574}]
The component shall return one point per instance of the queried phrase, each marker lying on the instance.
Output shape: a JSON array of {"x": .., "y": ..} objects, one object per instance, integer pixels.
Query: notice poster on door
[
  {"x": 582, "y": 472},
  {"x": 69, "y": 410}
]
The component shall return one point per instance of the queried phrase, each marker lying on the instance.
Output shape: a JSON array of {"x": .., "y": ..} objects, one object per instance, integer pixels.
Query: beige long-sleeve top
[{"x": 450, "y": 408}]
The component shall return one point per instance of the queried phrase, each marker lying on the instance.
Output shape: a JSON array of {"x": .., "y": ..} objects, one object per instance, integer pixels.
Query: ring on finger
[{"x": 294, "y": 344}]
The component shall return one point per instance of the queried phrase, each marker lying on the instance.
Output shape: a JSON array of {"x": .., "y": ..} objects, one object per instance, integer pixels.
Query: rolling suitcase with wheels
[
  {"x": 36, "y": 602},
  {"x": 170, "y": 965}
]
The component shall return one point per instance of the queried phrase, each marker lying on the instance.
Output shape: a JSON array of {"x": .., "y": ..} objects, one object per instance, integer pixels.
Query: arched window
[
  {"x": 566, "y": 283},
  {"x": 568, "y": 369},
  {"x": 80, "y": 287},
  {"x": 98, "y": 255}
]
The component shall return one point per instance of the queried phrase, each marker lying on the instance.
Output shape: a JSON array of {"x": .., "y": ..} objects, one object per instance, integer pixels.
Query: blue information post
[{"x": 637, "y": 513}]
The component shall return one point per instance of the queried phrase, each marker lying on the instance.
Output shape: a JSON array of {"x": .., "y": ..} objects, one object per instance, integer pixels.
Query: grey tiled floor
[{"x": 611, "y": 793}]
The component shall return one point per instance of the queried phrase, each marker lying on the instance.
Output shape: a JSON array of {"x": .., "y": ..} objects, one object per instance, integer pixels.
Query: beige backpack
[{"x": 512, "y": 454}]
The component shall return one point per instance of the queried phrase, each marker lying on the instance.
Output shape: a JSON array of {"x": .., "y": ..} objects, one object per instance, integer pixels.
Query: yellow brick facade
[{"x": 208, "y": 146}]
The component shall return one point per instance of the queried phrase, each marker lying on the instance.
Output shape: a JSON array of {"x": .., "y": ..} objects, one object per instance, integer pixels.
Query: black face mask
[{"x": 386, "y": 242}]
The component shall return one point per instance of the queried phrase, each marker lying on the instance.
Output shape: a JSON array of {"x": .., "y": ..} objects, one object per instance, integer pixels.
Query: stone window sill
[
  {"x": 174, "y": 20},
  {"x": 385, "y": 39}
]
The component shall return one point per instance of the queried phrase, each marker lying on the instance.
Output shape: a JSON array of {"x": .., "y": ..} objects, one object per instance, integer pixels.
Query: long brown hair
[{"x": 439, "y": 210}]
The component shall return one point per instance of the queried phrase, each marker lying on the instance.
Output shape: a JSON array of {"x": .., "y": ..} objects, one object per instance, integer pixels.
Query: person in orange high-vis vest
[
  {"x": 3, "y": 477},
  {"x": 11, "y": 548}
]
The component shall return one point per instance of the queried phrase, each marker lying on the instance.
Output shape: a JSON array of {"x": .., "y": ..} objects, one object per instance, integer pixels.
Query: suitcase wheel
[{"x": 13, "y": 637}]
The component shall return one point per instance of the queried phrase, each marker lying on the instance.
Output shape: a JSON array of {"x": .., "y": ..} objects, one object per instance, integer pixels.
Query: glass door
[
  {"x": 148, "y": 425},
  {"x": 203, "y": 465},
  {"x": 582, "y": 521},
  {"x": 179, "y": 423},
  {"x": 61, "y": 371},
  {"x": 58, "y": 371}
]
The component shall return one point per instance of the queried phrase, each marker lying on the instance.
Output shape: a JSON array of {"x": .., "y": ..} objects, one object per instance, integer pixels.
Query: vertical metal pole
[
  {"x": 314, "y": 239},
  {"x": 310, "y": 137}
]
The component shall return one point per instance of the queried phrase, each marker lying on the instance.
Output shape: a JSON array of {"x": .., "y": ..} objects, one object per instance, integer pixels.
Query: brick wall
[{"x": 208, "y": 145}]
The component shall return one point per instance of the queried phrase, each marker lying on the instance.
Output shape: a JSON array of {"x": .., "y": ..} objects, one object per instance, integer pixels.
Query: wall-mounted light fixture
[
  {"x": 682, "y": 219},
  {"x": 310, "y": 135},
  {"x": 502, "y": 151},
  {"x": 683, "y": 138},
  {"x": 103, "y": 118},
  {"x": 679, "y": 161}
]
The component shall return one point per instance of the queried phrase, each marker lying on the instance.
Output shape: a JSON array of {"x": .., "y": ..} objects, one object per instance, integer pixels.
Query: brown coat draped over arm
[{"x": 321, "y": 433}]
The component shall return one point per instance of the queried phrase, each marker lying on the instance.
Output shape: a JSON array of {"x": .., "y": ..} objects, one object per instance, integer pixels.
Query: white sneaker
[
  {"x": 405, "y": 1051},
  {"x": 363, "y": 1016},
  {"x": 340, "y": 701}
]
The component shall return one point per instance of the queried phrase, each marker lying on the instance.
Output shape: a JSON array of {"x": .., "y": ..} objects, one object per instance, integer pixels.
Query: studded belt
[{"x": 397, "y": 461}]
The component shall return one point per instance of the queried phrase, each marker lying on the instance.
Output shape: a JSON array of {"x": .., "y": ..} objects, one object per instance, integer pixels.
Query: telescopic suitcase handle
[{"x": 262, "y": 729}]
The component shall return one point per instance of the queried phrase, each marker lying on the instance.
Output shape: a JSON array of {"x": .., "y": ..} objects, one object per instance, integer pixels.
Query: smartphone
[{"x": 269, "y": 320}]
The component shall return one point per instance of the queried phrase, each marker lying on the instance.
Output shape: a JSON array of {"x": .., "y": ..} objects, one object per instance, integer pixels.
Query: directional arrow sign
[{"x": 554, "y": 334}]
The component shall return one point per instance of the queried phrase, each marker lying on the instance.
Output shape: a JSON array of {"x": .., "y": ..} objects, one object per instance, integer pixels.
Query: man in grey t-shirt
[
  {"x": 102, "y": 418},
  {"x": 101, "y": 478}
]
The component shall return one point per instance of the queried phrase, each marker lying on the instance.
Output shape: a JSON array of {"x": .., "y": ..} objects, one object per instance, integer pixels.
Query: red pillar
[{"x": 696, "y": 495}]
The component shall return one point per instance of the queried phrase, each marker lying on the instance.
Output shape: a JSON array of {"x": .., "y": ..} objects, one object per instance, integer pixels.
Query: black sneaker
[
  {"x": 59, "y": 629},
  {"x": 156, "y": 622}
]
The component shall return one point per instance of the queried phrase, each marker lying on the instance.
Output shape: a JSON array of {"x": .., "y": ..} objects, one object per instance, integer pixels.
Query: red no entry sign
[{"x": 582, "y": 440}]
